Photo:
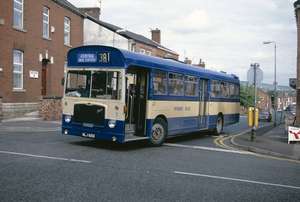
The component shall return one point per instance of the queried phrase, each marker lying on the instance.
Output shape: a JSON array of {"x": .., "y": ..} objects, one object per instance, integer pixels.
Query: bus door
[
  {"x": 203, "y": 106},
  {"x": 136, "y": 96}
]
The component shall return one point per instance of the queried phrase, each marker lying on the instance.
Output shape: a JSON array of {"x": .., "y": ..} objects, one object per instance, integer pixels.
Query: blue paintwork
[
  {"x": 101, "y": 132},
  {"x": 125, "y": 59},
  {"x": 181, "y": 125}
]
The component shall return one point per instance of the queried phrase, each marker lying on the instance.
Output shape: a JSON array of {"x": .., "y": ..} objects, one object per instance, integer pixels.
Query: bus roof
[{"x": 94, "y": 56}]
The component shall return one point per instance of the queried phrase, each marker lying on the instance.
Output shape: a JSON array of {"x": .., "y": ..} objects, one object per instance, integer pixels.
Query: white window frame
[
  {"x": 20, "y": 72},
  {"x": 46, "y": 22},
  {"x": 143, "y": 51},
  {"x": 21, "y": 3},
  {"x": 67, "y": 31}
]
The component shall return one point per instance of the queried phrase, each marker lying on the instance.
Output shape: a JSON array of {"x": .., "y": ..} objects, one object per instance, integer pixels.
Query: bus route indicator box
[{"x": 86, "y": 57}]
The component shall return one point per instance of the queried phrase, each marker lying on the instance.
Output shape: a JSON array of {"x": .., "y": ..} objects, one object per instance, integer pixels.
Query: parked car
[{"x": 265, "y": 115}]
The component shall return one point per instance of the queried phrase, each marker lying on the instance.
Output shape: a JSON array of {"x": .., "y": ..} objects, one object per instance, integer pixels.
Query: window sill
[
  {"x": 48, "y": 39},
  {"x": 19, "y": 90},
  {"x": 19, "y": 29},
  {"x": 68, "y": 45}
]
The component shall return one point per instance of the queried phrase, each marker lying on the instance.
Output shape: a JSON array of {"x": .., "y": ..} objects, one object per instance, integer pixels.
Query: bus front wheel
[
  {"x": 219, "y": 125},
  {"x": 158, "y": 132}
]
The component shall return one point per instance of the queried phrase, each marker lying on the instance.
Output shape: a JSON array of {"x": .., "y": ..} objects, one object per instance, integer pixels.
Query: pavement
[{"x": 269, "y": 141}]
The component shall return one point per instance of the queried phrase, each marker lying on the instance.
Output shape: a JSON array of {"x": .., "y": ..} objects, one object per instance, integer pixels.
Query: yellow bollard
[{"x": 250, "y": 116}]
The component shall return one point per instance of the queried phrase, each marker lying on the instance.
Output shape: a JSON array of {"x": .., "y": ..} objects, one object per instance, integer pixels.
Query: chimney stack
[
  {"x": 187, "y": 61},
  {"x": 297, "y": 11},
  {"x": 155, "y": 35}
]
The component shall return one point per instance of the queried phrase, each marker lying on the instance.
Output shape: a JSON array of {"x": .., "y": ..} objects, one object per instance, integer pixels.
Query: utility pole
[
  {"x": 275, "y": 79},
  {"x": 253, "y": 130},
  {"x": 297, "y": 11}
]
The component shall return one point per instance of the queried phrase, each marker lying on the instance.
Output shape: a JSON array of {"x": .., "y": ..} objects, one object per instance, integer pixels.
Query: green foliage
[{"x": 246, "y": 95}]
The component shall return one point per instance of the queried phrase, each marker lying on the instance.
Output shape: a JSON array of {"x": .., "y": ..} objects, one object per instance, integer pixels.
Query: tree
[{"x": 246, "y": 95}]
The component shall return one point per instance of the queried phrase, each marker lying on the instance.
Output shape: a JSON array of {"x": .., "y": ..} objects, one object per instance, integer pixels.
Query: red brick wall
[{"x": 32, "y": 44}]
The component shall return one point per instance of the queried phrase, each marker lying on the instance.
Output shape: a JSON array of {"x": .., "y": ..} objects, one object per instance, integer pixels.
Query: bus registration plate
[{"x": 89, "y": 135}]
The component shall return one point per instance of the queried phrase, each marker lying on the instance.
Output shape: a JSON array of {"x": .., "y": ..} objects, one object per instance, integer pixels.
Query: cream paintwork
[
  {"x": 172, "y": 109},
  {"x": 110, "y": 106}
]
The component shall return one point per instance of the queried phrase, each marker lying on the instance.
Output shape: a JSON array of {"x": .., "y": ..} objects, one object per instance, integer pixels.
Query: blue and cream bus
[{"x": 121, "y": 96}]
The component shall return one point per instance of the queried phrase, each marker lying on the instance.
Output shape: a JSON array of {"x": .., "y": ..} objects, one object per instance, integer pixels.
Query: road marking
[
  {"x": 236, "y": 179},
  {"x": 45, "y": 157},
  {"x": 206, "y": 148}
]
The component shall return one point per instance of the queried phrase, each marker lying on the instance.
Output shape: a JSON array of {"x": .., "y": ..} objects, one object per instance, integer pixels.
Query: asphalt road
[{"x": 47, "y": 166}]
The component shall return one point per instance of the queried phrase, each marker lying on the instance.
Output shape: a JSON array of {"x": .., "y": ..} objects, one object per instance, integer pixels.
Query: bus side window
[
  {"x": 176, "y": 84},
  {"x": 191, "y": 86},
  {"x": 160, "y": 83}
]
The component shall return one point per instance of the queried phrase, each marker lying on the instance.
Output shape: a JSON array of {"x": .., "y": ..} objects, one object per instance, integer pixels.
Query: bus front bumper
[{"x": 103, "y": 132}]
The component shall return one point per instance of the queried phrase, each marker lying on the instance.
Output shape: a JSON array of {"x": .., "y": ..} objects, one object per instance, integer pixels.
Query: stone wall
[
  {"x": 13, "y": 110},
  {"x": 50, "y": 108}
]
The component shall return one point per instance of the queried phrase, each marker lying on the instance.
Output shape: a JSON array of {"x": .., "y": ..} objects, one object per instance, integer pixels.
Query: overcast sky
[{"x": 226, "y": 34}]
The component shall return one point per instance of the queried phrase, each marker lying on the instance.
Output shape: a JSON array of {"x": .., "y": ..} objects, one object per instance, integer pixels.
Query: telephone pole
[{"x": 297, "y": 12}]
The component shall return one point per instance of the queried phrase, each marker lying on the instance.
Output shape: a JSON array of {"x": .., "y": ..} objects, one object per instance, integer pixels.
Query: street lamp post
[{"x": 275, "y": 80}]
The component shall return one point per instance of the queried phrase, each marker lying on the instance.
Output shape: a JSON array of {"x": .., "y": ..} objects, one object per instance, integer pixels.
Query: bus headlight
[
  {"x": 112, "y": 123},
  {"x": 68, "y": 118}
]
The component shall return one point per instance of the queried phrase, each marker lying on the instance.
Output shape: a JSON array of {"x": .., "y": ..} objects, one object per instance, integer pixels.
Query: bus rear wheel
[
  {"x": 219, "y": 125},
  {"x": 158, "y": 132}
]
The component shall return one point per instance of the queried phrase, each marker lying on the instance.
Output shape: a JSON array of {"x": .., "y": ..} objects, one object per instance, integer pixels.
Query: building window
[
  {"x": 18, "y": 14},
  {"x": 45, "y": 22},
  {"x": 17, "y": 69},
  {"x": 142, "y": 51},
  {"x": 67, "y": 29}
]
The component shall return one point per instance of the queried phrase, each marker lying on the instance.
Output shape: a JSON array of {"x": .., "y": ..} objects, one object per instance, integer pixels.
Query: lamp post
[{"x": 275, "y": 81}]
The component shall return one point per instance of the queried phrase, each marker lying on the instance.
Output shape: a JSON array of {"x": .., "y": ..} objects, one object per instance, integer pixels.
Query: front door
[
  {"x": 203, "y": 107},
  {"x": 44, "y": 80},
  {"x": 136, "y": 96}
]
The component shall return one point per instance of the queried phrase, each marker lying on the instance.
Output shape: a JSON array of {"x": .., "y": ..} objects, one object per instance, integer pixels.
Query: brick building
[
  {"x": 35, "y": 37},
  {"x": 263, "y": 100}
]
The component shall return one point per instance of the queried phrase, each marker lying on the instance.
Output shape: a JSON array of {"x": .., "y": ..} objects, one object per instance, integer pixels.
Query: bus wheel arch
[{"x": 159, "y": 131}]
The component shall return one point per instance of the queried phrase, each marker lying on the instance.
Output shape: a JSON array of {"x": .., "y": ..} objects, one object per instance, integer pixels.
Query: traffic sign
[
  {"x": 259, "y": 75},
  {"x": 294, "y": 134}
]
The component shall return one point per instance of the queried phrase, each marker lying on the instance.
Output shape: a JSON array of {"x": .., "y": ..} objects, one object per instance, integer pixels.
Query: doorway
[
  {"x": 136, "y": 97},
  {"x": 44, "y": 80}
]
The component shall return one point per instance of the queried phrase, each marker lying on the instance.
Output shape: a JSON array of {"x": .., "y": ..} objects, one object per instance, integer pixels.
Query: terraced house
[{"x": 35, "y": 37}]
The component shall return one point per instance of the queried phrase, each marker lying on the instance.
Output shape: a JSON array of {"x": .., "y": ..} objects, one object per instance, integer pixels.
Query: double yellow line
[{"x": 219, "y": 141}]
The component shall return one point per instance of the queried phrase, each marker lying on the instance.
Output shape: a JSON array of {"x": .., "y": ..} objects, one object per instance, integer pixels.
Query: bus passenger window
[
  {"x": 160, "y": 83},
  {"x": 191, "y": 86},
  {"x": 176, "y": 84}
]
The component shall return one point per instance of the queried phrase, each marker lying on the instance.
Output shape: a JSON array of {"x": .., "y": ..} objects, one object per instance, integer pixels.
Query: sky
[{"x": 227, "y": 34}]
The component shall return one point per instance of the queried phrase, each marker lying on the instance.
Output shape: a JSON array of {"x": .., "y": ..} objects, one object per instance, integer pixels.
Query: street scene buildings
[{"x": 106, "y": 100}]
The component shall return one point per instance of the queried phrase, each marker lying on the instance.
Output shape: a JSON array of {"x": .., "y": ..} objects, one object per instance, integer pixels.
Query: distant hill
[{"x": 270, "y": 87}]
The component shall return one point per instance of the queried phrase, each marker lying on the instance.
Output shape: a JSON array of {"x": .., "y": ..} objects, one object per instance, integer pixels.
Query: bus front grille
[{"x": 92, "y": 114}]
